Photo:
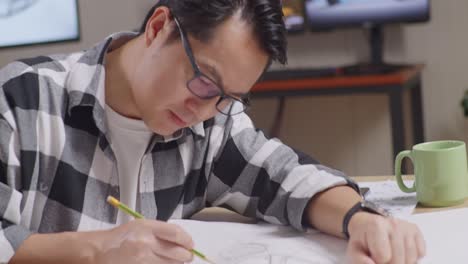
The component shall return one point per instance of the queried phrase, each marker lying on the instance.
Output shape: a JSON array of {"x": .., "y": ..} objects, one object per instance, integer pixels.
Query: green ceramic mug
[{"x": 440, "y": 170}]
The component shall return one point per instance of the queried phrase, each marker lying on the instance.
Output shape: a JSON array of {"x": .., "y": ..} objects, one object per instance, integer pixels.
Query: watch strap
[
  {"x": 362, "y": 206},
  {"x": 356, "y": 208}
]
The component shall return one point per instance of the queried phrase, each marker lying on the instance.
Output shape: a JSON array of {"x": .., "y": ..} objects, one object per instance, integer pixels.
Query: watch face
[{"x": 374, "y": 208}]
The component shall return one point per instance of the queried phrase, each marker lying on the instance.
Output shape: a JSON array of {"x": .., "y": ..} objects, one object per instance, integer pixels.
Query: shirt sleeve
[
  {"x": 264, "y": 178},
  {"x": 12, "y": 233}
]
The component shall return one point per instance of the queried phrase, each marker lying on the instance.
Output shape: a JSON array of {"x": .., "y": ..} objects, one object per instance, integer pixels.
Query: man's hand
[
  {"x": 373, "y": 238},
  {"x": 376, "y": 239},
  {"x": 139, "y": 241},
  {"x": 144, "y": 241}
]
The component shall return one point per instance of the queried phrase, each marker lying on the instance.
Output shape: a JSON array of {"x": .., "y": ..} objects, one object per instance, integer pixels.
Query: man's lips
[{"x": 179, "y": 121}]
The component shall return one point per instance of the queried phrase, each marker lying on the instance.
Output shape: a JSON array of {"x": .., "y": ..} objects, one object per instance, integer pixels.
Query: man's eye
[{"x": 206, "y": 81}]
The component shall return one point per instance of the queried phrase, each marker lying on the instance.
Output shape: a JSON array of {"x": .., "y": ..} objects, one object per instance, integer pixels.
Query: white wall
[{"x": 351, "y": 133}]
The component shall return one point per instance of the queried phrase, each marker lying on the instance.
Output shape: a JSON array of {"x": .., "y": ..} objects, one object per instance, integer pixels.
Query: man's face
[{"x": 232, "y": 58}]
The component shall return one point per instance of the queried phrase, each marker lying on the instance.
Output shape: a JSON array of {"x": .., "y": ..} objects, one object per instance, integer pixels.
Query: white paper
[
  {"x": 445, "y": 233},
  {"x": 235, "y": 243},
  {"x": 387, "y": 195}
]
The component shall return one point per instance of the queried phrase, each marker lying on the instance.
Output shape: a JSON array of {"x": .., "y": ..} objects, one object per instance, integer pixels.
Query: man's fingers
[
  {"x": 379, "y": 242},
  {"x": 420, "y": 244},
  {"x": 363, "y": 259},
  {"x": 357, "y": 254},
  {"x": 386, "y": 240},
  {"x": 397, "y": 241},
  {"x": 162, "y": 259},
  {"x": 411, "y": 250},
  {"x": 172, "y": 251},
  {"x": 172, "y": 233}
]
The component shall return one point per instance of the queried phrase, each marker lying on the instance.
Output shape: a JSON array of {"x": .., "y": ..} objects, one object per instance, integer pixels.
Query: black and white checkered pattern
[{"x": 57, "y": 167}]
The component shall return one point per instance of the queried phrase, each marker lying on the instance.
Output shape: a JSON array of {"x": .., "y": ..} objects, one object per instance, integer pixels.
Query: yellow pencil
[{"x": 116, "y": 203}]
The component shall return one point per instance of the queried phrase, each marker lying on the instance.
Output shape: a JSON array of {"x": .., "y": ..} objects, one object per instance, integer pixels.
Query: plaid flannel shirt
[{"x": 57, "y": 166}]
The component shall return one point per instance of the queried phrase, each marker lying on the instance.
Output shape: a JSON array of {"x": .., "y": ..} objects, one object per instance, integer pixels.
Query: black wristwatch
[{"x": 362, "y": 206}]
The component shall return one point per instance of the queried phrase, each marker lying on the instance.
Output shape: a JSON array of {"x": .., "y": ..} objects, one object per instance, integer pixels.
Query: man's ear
[{"x": 158, "y": 24}]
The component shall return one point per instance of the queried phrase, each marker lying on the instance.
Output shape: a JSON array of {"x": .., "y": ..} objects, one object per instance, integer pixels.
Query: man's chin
[{"x": 166, "y": 132}]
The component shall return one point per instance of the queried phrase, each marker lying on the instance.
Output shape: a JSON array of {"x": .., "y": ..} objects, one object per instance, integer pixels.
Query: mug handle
[{"x": 398, "y": 159}]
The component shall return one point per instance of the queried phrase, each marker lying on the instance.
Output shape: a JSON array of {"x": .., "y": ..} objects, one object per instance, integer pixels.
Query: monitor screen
[
  {"x": 293, "y": 11},
  {"x": 26, "y": 22},
  {"x": 326, "y": 14}
]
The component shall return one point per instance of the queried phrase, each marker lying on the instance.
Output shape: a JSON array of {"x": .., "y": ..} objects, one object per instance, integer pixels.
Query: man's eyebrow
[
  {"x": 214, "y": 72},
  {"x": 217, "y": 78}
]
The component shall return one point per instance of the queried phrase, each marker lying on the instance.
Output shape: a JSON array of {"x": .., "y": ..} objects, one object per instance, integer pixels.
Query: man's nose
[{"x": 202, "y": 108}]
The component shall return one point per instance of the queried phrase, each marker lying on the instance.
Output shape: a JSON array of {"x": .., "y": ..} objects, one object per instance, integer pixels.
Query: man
[{"x": 157, "y": 120}]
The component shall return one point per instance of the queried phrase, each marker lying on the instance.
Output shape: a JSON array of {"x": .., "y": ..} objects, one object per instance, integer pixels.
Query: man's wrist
[
  {"x": 357, "y": 220},
  {"x": 66, "y": 247},
  {"x": 362, "y": 206},
  {"x": 88, "y": 244},
  {"x": 356, "y": 208}
]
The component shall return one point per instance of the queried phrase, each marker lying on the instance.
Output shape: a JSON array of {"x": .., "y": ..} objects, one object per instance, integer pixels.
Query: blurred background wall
[{"x": 351, "y": 133}]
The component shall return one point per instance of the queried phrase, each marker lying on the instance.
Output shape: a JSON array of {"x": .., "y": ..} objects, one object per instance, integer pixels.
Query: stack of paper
[{"x": 387, "y": 195}]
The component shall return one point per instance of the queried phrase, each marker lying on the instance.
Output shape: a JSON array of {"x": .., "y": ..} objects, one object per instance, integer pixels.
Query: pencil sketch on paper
[
  {"x": 387, "y": 195},
  {"x": 262, "y": 243},
  {"x": 259, "y": 253},
  {"x": 12, "y": 7}
]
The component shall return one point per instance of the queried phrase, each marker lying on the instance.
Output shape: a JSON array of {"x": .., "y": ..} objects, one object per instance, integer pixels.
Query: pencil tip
[{"x": 209, "y": 261}]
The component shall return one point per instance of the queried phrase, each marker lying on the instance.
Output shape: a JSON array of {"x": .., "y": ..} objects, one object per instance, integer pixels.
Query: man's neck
[{"x": 120, "y": 67}]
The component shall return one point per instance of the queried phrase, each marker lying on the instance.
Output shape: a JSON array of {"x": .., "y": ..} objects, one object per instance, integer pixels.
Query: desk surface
[
  {"x": 399, "y": 77},
  {"x": 220, "y": 214}
]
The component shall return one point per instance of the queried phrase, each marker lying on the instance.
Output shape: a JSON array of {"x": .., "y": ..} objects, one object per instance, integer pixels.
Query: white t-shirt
[{"x": 129, "y": 140}]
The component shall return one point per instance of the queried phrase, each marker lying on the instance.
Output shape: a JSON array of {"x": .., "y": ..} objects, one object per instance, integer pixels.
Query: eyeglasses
[{"x": 204, "y": 87}]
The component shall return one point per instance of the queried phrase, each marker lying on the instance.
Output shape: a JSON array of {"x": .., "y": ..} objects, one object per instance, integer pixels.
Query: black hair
[{"x": 200, "y": 17}]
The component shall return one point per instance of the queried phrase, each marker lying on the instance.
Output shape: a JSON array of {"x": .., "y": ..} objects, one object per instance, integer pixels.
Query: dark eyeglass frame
[{"x": 245, "y": 100}]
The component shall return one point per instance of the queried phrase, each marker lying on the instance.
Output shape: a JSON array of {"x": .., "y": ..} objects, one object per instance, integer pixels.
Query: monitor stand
[{"x": 376, "y": 64}]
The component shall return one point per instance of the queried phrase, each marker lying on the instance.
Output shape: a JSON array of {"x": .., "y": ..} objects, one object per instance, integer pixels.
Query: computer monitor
[
  {"x": 27, "y": 22},
  {"x": 326, "y": 14},
  {"x": 294, "y": 15},
  {"x": 371, "y": 14}
]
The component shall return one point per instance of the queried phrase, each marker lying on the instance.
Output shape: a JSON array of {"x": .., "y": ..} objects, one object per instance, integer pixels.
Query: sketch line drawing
[
  {"x": 258, "y": 253},
  {"x": 12, "y": 7}
]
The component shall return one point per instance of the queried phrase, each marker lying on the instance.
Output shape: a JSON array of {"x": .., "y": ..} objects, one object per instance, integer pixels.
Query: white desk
[{"x": 445, "y": 233}]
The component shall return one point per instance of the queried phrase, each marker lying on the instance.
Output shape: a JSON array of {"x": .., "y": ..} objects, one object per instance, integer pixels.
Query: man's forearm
[
  {"x": 327, "y": 209},
  {"x": 68, "y": 247}
]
